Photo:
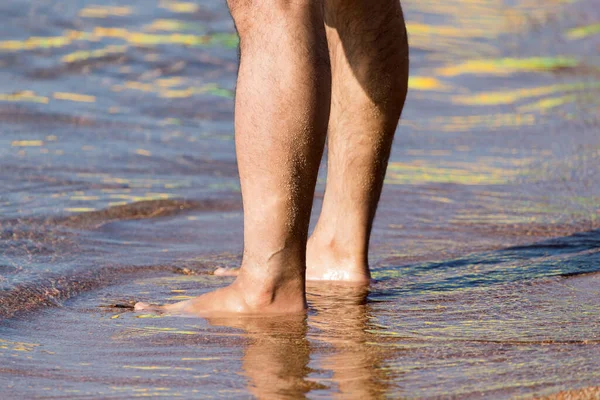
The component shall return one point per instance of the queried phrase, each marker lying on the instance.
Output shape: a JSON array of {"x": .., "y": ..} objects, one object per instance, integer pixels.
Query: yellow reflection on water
[
  {"x": 106, "y": 197},
  {"x": 507, "y": 66},
  {"x": 487, "y": 121},
  {"x": 27, "y": 143},
  {"x": 419, "y": 172},
  {"x": 514, "y": 95},
  {"x": 17, "y": 346},
  {"x": 105, "y": 11},
  {"x": 416, "y": 28},
  {"x": 583, "y": 31},
  {"x": 91, "y": 54},
  {"x": 35, "y": 43},
  {"x": 179, "y": 7},
  {"x": 140, "y": 38},
  {"x": 170, "y": 82},
  {"x": 462, "y": 21},
  {"x": 426, "y": 83},
  {"x": 169, "y": 25},
  {"x": 131, "y": 37},
  {"x": 81, "y": 98},
  {"x": 25, "y": 95},
  {"x": 547, "y": 104},
  {"x": 163, "y": 87}
]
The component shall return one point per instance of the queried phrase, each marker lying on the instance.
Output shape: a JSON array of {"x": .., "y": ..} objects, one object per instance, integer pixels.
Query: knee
[
  {"x": 251, "y": 15},
  {"x": 236, "y": 6}
]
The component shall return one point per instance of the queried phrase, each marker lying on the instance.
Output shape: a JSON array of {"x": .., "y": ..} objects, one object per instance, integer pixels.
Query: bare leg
[
  {"x": 282, "y": 109},
  {"x": 369, "y": 62}
]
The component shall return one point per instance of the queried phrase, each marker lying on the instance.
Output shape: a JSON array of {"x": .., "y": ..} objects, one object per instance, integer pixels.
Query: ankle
[
  {"x": 262, "y": 296},
  {"x": 338, "y": 252},
  {"x": 267, "y": 285}
]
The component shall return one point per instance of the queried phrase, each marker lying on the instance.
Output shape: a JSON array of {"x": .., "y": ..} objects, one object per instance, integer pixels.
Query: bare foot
[
  {"x": 247, "y": 295},
  {"x": 323, "y": 263}
]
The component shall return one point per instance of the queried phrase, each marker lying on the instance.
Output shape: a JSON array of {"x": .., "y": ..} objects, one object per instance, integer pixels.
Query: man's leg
[
  {"x": 369, "y": 64},
  {"x": 282, "y": 109}
]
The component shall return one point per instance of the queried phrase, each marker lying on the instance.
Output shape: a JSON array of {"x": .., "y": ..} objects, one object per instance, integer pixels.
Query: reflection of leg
[
  {"x": 369, "y": 64},
  {"x": 282, "y": 108},
  {"x": 276, "y": 354},
  {"x": 341, "y": 318}
]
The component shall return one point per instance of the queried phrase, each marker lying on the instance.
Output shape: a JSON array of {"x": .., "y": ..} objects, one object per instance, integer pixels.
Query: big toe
[
  {"x": 145, "y": 307},
  {"x": 226, "y": 271}
]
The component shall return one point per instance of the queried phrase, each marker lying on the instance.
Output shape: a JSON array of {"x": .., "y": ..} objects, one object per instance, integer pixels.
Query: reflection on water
[
  {"x": 119, "y": 183},
  {"x": 276, "y": 355},
  {"x": 418, "y": 331},
  {"x": 342, "y": 320}
]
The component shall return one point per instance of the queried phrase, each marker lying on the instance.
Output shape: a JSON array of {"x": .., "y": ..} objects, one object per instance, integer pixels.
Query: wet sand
[{"x": 118, "y": 183}]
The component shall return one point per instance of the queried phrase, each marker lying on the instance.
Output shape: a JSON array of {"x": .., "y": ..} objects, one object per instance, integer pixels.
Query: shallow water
[{"x": 118, "y": 183}]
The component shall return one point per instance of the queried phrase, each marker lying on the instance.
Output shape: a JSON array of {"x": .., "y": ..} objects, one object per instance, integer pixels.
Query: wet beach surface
[{"x": 118, "y": 183}]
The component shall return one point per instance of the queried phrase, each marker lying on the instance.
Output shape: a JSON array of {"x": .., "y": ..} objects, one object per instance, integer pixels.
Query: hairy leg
[
  {"x": 282, "y": 109},
  {"x": 369, "y": 64}
]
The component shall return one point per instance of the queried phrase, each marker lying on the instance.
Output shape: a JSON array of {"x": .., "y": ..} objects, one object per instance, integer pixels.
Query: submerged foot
[
  {"x": 323, "y": 263},
  {"x": 247, "y": 295}
]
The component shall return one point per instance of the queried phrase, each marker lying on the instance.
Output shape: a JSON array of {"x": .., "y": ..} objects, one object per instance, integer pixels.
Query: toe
[
  {"x": 226, "y": 271},
  {"x": 147, "y": 307},
  {"x": 141, "y": 306}
]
